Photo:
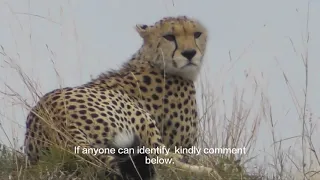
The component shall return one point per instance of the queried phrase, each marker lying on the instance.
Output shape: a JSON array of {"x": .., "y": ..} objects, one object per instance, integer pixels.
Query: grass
[
  {"x": 61, "y": 164},
  {"x": 238, "y": 128}
]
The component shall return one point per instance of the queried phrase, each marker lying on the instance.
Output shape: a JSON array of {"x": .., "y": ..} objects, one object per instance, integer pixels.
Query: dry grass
[
  {"x": 62, "y": 164},
  {"x": 238, "y": 128}
]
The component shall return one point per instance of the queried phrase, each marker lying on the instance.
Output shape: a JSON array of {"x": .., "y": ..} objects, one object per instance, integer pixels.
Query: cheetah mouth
[{"x": 189, "y": 65}]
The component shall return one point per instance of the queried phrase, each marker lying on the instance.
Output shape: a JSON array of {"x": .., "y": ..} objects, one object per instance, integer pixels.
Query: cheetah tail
[{"x": 132, "y": 165}]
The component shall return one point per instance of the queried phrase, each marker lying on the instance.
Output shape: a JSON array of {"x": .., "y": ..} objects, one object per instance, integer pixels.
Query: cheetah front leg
[
  {"x": 145, "y": 127},
  {"x": 151, "y": 137}
]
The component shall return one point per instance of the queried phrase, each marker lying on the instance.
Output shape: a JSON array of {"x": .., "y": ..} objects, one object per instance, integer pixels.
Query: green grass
[
  {"x": 62, "y": 165},
  {"x": 238, "y": 128}
]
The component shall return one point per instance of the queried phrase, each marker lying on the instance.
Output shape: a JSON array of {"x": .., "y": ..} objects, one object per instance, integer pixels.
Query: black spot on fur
[
  {"x": 142, "y": 120},
  {"x": 159, "y": 89},
  {"x": 93, "y": 115},
  {"x": 138, "y": 113},
  {"x": 155, "y": 97},
  {"x": 158, "y": 80},
  {"x": 88, "y": 121},
  {"x": 143, "y": 89},
  {"x": 55, "y": 98},
  {"x": 147, "y": 80},
  {"x": 72, "y": 107},
  {"x": 75, "y": 116}
]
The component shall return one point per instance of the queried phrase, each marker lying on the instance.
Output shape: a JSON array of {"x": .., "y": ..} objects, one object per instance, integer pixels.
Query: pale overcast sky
[{"x": 88, "y": 37}]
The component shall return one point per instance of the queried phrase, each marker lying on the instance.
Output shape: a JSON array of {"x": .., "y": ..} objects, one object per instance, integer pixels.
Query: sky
[{"x": 254, "y": 46}]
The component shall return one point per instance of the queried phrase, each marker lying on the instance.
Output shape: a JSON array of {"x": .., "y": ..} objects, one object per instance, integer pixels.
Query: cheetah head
[{"x": 177, "y": 45}]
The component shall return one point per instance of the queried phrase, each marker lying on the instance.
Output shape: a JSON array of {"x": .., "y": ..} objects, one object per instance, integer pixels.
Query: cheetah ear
[{"x": 142, "y": 29}]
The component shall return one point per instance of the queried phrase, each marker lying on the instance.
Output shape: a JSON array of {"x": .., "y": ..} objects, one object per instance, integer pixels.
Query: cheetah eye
[
  {"x": 197, "y": 34},
  {"x": 169, "y": 37}
]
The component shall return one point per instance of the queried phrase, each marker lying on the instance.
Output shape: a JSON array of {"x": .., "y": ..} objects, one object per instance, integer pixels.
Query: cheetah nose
[{"x": 189, "y": 54}]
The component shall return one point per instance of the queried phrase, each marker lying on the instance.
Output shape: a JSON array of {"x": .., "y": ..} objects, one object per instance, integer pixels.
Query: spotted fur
[{"x": 151, "y": 100}]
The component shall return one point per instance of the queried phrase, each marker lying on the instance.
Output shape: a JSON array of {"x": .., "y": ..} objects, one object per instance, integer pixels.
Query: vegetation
[{"x": 238, "y": 128}]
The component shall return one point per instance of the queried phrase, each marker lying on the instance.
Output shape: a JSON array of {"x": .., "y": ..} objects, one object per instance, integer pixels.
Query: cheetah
[{"x": 150, "y": 101}]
